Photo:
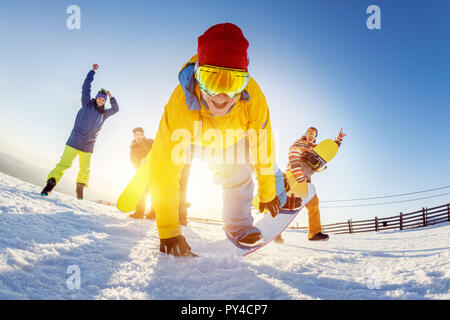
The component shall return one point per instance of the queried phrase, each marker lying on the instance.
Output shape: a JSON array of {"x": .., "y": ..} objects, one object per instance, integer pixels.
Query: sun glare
[{"x": 205, "y": 196}]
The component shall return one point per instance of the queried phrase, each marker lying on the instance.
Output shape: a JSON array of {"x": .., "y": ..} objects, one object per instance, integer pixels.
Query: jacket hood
[{"x": 186, "y": 76}]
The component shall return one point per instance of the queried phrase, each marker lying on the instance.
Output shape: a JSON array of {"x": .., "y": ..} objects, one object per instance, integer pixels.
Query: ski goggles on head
[
  {"x": 311, "y": 133},
  {"x": 215, "y": 80}
]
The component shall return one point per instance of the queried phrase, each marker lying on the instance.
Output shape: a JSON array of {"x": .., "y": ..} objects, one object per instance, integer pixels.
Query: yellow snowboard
[
  {"x": 133, "y": 192},
  {"x": 327, "y": 149},
  {"x": 316, "y": 160}
]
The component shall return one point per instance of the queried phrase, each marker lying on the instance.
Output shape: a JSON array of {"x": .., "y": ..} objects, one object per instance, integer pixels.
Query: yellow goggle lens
[
  {"x": 214, "y": 80},
  {"x": 311, "y": 133}
]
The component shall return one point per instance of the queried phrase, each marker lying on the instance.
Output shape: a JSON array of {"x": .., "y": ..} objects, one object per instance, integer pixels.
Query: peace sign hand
[{"x": 340, "y": 135}]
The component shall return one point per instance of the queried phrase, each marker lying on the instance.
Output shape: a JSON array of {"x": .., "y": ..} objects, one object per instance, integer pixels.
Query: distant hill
[{"x": 20, "y": 170}]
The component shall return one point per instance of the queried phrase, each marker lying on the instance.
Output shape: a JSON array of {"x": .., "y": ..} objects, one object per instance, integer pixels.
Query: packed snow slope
[{"x": 48, "y": 244}]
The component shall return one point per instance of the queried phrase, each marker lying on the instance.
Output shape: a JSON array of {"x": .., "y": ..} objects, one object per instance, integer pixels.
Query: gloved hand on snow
[{"x": 176, "y": 246}]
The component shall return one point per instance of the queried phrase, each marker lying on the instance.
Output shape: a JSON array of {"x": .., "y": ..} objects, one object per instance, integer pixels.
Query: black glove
[
  {"x": 273, "y": 206},
  {"x": 176, "y": 246}
]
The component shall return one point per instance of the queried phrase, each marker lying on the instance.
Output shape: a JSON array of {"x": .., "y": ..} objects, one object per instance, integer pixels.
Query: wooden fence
[
  {"x": 106, "y": 203},
  {"x": 416, "y": 219}
]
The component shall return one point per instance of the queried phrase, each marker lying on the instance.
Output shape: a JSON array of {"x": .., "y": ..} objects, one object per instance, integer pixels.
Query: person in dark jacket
[
  {"x": 139, "y": 148},
  {"x": 88, "y": 123}
]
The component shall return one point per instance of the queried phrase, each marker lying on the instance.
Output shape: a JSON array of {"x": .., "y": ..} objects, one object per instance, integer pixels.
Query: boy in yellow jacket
[{"x": 213, "y": 111}]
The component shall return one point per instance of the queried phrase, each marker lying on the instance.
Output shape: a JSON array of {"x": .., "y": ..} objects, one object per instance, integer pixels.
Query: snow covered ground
[{"x": 50, "y": 245}]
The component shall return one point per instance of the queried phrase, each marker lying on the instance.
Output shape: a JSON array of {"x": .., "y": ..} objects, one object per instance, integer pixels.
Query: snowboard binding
[
  {"x": 311, "y": 162},
  {"x": 246, "y": 238},
  {"x": 316, "y": 160}
]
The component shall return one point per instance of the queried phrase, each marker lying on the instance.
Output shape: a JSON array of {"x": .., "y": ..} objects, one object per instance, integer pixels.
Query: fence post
[
  {"x": 376, "y": 223},
  {"x": 401, "y": 220},
  {"x": 424, "y": 218},
  {"x": 350, "y": 225}
]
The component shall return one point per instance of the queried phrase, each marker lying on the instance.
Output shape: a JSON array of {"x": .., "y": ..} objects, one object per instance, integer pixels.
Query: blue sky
[{"x": 316, "y": 61}]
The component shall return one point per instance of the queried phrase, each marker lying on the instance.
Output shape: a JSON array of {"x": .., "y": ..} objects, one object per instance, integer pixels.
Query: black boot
[
  {"x": 80, "y": 188},
  {"x": 51, "y": 183},
  {"x": 151, "y": 215},
  {"x": 319, "y": 237}
]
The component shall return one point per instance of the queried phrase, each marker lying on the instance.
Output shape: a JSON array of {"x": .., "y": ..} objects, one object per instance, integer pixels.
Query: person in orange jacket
[
  {"x": 215, "y": 107},
  {"x": 307, "y": 142}
]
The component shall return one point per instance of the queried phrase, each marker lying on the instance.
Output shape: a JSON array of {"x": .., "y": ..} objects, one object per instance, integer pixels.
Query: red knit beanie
[{"x": 223, "y": 45}]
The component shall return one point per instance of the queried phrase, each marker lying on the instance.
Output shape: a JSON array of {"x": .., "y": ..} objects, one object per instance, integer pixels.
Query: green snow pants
[{"x": 66, "y": 162}]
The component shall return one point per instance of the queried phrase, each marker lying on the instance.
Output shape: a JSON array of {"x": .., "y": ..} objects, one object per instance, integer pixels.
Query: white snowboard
[{"x": 269, "y": 226}]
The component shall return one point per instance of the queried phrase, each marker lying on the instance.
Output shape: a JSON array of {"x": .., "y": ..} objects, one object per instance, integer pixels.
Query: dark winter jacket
[
  {"x": 139, "y": 151},
  {"x": 89, "y": 119}
]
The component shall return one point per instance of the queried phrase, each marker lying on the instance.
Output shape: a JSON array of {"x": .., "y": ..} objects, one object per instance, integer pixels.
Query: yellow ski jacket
[{"x": 186, "y": 121}]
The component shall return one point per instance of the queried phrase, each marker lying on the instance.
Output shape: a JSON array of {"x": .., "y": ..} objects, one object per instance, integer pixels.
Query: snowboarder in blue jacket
[{"x": 89, "y": 121}]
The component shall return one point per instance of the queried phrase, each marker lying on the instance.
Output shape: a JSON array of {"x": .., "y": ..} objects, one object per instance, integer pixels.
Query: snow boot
[
  {"x": 137, "y": 215},
  {"x": 247, "y": 237},
  {"x": 80, "y": 188},
  {"x": 319, "y": 237},
  {"x": 151, "y": 215},
  {"x": 51, "y": 183},
  {"x": 176, "y": 246}
]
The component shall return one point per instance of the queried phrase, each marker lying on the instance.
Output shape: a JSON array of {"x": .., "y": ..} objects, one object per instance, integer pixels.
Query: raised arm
[
  {"x": 86, "y": 89},
  {"x": 114, "y": 106},
  {"x": 339, "y": 137}
]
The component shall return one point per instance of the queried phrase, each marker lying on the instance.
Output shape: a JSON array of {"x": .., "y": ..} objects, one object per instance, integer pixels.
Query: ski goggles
[
  {"x": 311, "y": 133},
  {"x": 215, "y": 80}
]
